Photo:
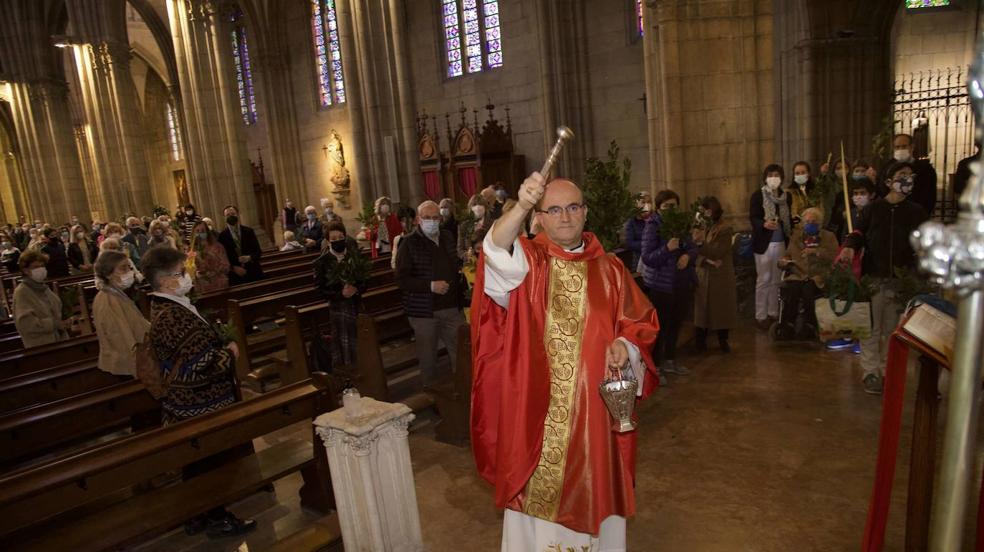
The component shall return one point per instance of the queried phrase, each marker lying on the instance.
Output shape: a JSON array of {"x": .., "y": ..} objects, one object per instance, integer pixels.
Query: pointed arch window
[
  {"x": 174, "y": 133},
  {"x": 472, "y": 35},
  {"x": 244, "y": 72},
  {"x": 327, "y": 52}
]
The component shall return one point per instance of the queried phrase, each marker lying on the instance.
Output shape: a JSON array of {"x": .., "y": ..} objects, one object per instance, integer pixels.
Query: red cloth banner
[
  {"x": 432, "y": 185},
  {"x": 468, "y": 180}
]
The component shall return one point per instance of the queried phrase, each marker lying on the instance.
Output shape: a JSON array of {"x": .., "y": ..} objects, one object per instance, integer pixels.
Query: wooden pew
[
  {"x": 44, "y": 508},
  {"x": 262, "y": 354},
  {"x": 25, "y": 361},
  {"x": 35, "y": 430},
  {"x": 52, "y": 384}
]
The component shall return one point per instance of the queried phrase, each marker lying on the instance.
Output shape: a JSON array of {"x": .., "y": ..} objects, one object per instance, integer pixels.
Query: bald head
[
  {"x": 428, "y": 209},
  {"x": 565, "y": 201}
]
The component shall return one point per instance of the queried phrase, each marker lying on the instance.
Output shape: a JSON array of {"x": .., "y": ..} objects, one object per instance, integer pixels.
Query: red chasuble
[{"x": 541, "y": 433}]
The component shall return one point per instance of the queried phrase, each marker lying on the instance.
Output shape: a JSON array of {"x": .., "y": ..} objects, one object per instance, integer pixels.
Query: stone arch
[{"x": 162, "y": 36}]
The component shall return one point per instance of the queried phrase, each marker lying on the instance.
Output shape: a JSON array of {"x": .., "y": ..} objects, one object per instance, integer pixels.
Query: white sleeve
[
  {"x": 635, "y": 361},
  {"x": 503, "y": 271}
]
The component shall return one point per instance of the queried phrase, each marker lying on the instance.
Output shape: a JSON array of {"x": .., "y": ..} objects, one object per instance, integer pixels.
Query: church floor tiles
[{"x": 766, "y": 449}]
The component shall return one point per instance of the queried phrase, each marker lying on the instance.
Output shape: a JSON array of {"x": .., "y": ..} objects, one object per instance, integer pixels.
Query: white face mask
[
  {"x": 384, "y": 209},
  {"x": 126, "y": 280},
  {"x": 860, "y": 200},
  {"x": 902, "y": 155},
  {"x": 189, "y": 212},
  {"x": 801, "y": 179},
  {"x": 184, "y": 285},
  {"x": 430, "y": 227},
  {"x": 445, "y": 212},
  {"x": 38, "y": 274},
  {"x": 113, "y": 236},
  {"x": 329, "y": 211},
  {"x": 479, "y": 211},
  {"x": 773, "y": 182}
]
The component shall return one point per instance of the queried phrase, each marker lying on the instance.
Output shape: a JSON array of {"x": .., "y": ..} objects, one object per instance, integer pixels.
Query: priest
[{"x": 557, "y": 315}]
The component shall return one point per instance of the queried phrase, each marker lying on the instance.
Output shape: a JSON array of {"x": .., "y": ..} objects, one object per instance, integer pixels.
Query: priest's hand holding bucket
[{"x": 619, "y": 390}]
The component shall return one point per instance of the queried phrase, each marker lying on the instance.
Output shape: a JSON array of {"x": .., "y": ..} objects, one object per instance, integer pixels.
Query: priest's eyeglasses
[{"x": 555, "y": 211}]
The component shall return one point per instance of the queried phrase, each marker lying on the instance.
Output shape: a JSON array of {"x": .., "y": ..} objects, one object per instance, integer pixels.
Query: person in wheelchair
[{"x": 811, "y": 253}]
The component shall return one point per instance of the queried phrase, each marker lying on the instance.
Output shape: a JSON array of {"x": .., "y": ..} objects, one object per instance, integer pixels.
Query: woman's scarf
[
  {"x": 769, "y": 203},
  {"x": 37, "y": 287}
]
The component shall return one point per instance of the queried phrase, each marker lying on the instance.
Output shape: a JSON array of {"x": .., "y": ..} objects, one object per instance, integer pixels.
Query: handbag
[{"x": 843, "y": 319}]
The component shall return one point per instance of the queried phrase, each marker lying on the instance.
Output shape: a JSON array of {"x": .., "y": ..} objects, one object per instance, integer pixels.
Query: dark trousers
[
  {"x": 796, "y": 294},
  {"x": 671, "y": 308},
  {"x": 701, "y": 335}
]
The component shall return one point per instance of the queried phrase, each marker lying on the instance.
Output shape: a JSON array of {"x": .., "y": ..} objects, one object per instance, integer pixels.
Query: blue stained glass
[
  {"x": 454, "y": 43},
  {"x": 471, "y": 15},
  {"x": 324, "y": 21},
  {"x": 491, "y": 21},
  {"x": 449, "y": 9},
  {"x": 454, "y": 55},
  {"x": 491, "y": 33},
  {"x": 452, "y": 32},
  {"x": 473, "y": 51},
  {"x": 451, "y": 21},
  {"x": 468, "y": 4},
  {"x": 495, "y": 59},
  {"x": 474, "y": 64},
  {"x": 454, "y": 69},
  {"x": 493, "y": 46},
  {"x": 471, "y": 28},
  {"x": 490, "y": 8}
]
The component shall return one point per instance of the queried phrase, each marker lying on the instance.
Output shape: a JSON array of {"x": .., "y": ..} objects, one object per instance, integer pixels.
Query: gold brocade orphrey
[{"x": 566, "y": 301}]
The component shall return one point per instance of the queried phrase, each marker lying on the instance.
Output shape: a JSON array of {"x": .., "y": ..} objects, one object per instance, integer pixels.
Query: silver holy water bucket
[{"x": 619, "y": 395}]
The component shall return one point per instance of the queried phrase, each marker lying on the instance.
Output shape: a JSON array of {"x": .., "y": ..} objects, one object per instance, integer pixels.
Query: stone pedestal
[{"x": 369, "y": 458}]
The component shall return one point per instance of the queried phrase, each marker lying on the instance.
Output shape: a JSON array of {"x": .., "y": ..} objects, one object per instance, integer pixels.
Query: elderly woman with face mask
[
  {"x": 811, "y": 252},
  {"x": 37, "y": 309},
  {"x": 118, "y": 322},
  {"x": 472, "y": 230}
]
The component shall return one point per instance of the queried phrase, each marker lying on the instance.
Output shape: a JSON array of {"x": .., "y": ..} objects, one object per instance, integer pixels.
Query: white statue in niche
[{"x": 341, "y": 180}]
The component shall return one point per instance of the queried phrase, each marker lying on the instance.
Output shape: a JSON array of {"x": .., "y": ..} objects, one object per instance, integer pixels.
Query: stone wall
[
  {"x": 711, "y": 98},
  {"x": 931, "y": 40}
]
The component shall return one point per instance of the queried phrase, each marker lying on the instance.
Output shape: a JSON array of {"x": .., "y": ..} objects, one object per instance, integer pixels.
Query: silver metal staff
[
  {"x": 954, "y": 257},
  {"x": 564, "y": 134}
]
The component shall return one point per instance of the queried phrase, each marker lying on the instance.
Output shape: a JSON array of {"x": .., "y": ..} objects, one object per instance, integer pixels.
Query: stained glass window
[
  {"x": 244, "y": 73},
  {"x": 638, "y": 17},
  {"x": 327, "y": 52},
  {"x": 915, "y": 4},
  {"x": 173, "y": 132},
  {"x": 472, "y": 35}
]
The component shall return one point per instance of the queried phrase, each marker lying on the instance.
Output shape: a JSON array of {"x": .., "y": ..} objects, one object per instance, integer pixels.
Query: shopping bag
[{"x": 843, "y": 318}]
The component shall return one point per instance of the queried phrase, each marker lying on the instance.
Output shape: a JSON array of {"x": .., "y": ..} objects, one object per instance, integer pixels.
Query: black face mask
[
  {"x": 232, "y": 220},
  {"x": 338, "y": 246}
]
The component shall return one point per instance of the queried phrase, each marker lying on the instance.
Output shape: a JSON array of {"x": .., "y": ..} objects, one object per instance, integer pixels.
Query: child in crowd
[
  {"x": 290, "y": 242},
  {"x": 883, "y": 232}
]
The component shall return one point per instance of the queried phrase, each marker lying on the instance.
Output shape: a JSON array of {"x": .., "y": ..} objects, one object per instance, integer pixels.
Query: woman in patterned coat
[{"x": 206, "y": 380}]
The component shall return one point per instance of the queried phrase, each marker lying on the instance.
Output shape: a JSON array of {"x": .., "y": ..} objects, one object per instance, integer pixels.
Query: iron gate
[{"x": 933, "y": 107}]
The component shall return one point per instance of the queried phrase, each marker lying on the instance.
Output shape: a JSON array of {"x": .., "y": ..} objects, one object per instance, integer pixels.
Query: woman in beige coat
[
  {"x": 119, "y": 323},
  {"x": 37, "y": 310},
  {"x": 715, "y": 304}
]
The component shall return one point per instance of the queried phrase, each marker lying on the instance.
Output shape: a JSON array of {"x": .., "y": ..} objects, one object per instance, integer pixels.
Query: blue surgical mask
[
  {"x": 811, "y": 228},
  {"x": 311, "y": 216},
  {"x": 430, "y": 227}
]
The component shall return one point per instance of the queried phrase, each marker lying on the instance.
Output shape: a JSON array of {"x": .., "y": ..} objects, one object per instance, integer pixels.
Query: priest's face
[{"x": 562, "y": 213}]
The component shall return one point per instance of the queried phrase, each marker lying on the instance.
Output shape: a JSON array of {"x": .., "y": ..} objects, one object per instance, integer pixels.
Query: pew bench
[
  {"x": 44, "y": 508},
  {"x": 25, "y": 361},
  {"x": 40, "y": 429},
  {"x": 52, "y": 384}
]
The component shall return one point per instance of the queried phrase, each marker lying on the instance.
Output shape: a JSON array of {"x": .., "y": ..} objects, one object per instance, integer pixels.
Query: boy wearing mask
[{"x": 883, "y": 232}]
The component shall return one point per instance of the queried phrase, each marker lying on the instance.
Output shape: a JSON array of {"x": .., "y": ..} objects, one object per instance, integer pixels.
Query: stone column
[
  {"x": 369, "y": 458},
  {"x": 110, "y": 105},
  {"x": 276, "y": 82},
  {"x": 218, "y": 168},
  {"x": 383, "y": 123},
  {"x": 39, "y": 111}
]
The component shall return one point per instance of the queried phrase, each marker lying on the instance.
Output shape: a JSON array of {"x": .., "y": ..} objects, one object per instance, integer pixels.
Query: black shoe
[
  {"x": 725, "y": 348},
  {"x": 229, "y": 526},
  {"x": 195, "y": 525}
]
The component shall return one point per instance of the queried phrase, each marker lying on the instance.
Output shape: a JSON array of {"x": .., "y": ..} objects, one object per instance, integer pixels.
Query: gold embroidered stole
[{"x": 566, "y": 301}]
